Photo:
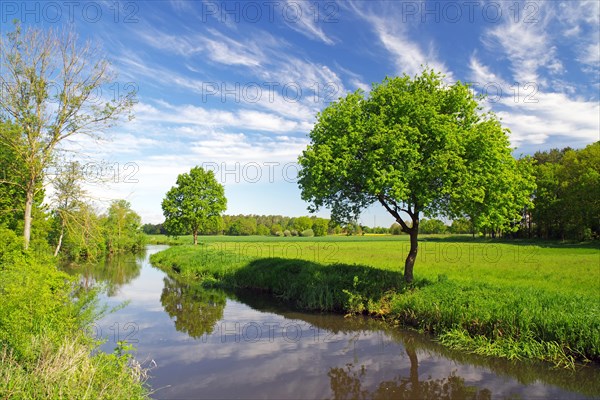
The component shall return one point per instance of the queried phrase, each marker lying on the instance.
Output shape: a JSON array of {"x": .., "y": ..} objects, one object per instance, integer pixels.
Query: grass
[
  {"x": 45, "y": 349},
  {"x": 68, "y": 372},
  {"x": 517, "y": 300}
]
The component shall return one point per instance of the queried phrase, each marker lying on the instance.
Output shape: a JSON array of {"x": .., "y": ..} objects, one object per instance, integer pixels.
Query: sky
[{"x": 235, "y": 87}]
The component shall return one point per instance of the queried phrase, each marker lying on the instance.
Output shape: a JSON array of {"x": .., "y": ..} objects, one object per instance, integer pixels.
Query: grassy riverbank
[
  {"x": 46, "y": 351},
  {"x": 518, "y": 301}
]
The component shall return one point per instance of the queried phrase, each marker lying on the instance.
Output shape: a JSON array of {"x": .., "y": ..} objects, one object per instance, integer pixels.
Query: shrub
[
  {"x": 287, "y": 233},
  {"x": 44, "y": 352},
  {"x": 307, "y": 233}
]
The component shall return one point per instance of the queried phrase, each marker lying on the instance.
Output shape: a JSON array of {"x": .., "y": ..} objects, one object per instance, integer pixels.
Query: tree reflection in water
[
  {"x": 196, "y": 310},
  {"x": 346, "y": 384},
  {"x": 110, "y": 273}
]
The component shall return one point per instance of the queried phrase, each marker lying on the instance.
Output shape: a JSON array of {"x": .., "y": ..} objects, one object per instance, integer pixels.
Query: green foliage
[
  {"x": 243, "y": 227},
  {"x": 12, "y": 177},
  {"x": 568, "y": 192},
  {"x": 196, "y": 199},
  {"x": 302, "y": 223},
  {"x": 275, "y": 229},
  {"x": 122, "y": 228},
  {"x": 44, "y": 351},
  {"x": 522, "y": 301},
  {"x": 320, "y": 226},
  {"x": 84, "y": 237},
  {"x": 307, "y": 233},
  {"x": 461, "y": 226},
  {"x": 395, "y": 229},
  {"x": 44, "y": 114},
  {"x": 196, "y": 310},
  {"x": 416, "y": 146},
  {"x": 263, "y": 230},
  {"x": 432, "y": 226},
  {"x": 153, "y": 229}
]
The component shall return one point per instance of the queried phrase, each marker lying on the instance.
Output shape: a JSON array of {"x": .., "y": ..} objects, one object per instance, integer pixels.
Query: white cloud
[
  {"x": 409, "y": 56},
  {"x": 241, "y": 118},
  {"x": 554, "y": 115},
  {"x": 225, "y": 50},
  {"x": 528, "y": 46},
  {"x": 306, "y": 20},
  {"x": 543, "y": 116}
]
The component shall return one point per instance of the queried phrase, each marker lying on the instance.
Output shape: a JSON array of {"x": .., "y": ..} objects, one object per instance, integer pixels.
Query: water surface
[{"x": 210, "y": 344}]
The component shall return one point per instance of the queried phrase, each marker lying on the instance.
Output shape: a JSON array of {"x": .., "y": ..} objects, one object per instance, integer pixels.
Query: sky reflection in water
[{"x": 207, "y": 344}]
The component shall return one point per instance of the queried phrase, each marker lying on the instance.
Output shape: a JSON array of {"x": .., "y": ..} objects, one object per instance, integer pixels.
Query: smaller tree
[
  {"x": 193, "y": 202},
  {"x": 275, "y": 229},
  {"x": 461, "y": 226},
  {"x": 122, "y": 228},
  {"x": 302, "y": 223},
  {"x": 67, "y": 197},
  {"x": 433, "y": 226},
  {"x": 319, "y": 226}
]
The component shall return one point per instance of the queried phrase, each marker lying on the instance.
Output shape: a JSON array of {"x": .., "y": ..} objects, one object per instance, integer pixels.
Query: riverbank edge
[
  {"x": 48, "y": 349},
  {"x": 346, "y": 290}
]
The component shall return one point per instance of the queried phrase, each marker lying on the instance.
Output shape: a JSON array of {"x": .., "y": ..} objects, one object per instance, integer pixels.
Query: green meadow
[{"x": 512, "y": 299}]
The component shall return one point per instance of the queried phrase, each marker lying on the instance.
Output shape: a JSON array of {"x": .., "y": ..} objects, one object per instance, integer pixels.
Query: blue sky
[{"x": 235, "y": 86}]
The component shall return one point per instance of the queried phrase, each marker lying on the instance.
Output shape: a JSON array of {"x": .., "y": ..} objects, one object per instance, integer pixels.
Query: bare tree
[{"x": 51, "y": 90}]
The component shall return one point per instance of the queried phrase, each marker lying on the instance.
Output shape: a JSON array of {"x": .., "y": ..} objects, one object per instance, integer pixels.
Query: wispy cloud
[
  {"x": 307, "y": 20},
  {"x": 527, "y": 45},
  {"x": 214, "y": 118},
  {"x": 291, "y": 86},
  {"x": 408, "y": 55},
  {"x": 212, "y": 45},
  {"x": 542, "y": 117},
  {"x": 580, "y": 21}
]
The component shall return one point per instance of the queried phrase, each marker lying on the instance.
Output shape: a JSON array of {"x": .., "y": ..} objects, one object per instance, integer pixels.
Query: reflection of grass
[{"x": 503, "y": 299}]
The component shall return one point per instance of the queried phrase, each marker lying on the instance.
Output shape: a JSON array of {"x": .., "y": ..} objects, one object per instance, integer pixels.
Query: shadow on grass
[
  {"x": 517, "y": 242},
  {"x": 314, "y": 286}
]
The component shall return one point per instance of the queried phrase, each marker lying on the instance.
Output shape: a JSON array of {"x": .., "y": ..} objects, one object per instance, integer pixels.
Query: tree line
[
  {"x": 280, "y": 225},
  {"x": 566, "y": 202}
]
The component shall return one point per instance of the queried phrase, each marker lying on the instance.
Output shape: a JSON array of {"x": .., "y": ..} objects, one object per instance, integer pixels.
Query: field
[{"x": 513, "y": 299}]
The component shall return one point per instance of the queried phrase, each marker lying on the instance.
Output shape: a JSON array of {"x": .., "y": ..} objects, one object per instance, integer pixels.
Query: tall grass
[
  {"x": 514, "y": 301},
  {"x": 44, "y": 350}
]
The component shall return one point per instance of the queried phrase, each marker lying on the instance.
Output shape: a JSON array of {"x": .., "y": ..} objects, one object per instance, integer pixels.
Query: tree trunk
[
  {"x": 27, "y": 218},
  {"x": 195, "y": 237},
  {"x": 414, "y": 372},
  {"x": 60, "y": 238},
  {"x": 412, "y": 255}
]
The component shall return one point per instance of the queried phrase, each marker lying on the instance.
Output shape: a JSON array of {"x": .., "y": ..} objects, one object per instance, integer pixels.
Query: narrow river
[{"x": 215, "y": 345}]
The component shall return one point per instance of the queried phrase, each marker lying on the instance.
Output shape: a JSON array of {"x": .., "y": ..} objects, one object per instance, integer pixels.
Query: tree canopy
[
  {"x": 567, "y": 198},
  {"x": 50, "y": 82},
  {"x": 195, "y": 202},
  {"x": 415, "y": 146}
]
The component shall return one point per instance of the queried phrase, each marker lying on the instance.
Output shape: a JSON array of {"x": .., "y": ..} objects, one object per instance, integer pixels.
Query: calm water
[{"x": 209, "y": 344}]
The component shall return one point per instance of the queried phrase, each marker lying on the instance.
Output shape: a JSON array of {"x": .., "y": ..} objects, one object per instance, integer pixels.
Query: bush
[
  {"x": 307, "y": 233},
  {"x": 287, "y": 233},
  {"x": 43, "y": 350}
]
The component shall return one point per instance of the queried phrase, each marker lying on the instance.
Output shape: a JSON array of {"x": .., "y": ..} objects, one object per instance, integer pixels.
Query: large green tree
[
  {"x": 50, "y": 92},
  {"x": 193, "y": 203},
  {"x": 417, "y": 146}
]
